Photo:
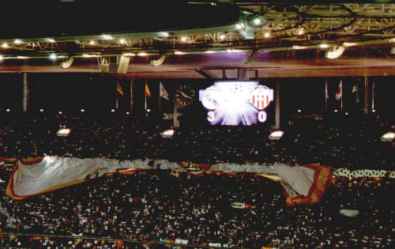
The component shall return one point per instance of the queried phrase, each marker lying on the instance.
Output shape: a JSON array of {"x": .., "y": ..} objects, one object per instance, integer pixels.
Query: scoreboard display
[{"x": 236, "y": 102}]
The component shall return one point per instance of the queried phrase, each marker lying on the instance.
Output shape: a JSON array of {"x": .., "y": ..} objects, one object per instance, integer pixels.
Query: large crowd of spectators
[
  {"x": 338, "y": 141},
  {"x": 150, "y": 208}
]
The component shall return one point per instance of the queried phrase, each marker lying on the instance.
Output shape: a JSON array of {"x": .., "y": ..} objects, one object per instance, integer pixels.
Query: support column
[
  {"x": 366, "y": 95},
  {"x": 25, "y": 93},
  {"x": 176, "y": 122},
  {"x": 373, "y": 96},
  {"x": 139, "y": 99},
  {"x": 154, "y": 89},
  {"x": 131, "y": 97},
  {"x": 278, "y": 106}
]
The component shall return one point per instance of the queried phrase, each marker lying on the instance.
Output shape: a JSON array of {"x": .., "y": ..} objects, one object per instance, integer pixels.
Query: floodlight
[
  {"x": 107, "y": 37},
  {"x": 18, "y": 42},
  {"x": 63, "y": 132},
  {"x": 5, "y": 45},
  {"x": 257, "y": 21},
  {"x": 349, "y": 212},
  {"x": 276, "y": 135},
  {"x": 335, "y": 52},
  {"x": 324, "y": 45},
  {"x": 388, "y": 136},
  {"x": 53, "y": 57},
  {"x": 67, "y": 63},
  {"x": 50, "y": 40},
  {"x": 168, "y": 133}
]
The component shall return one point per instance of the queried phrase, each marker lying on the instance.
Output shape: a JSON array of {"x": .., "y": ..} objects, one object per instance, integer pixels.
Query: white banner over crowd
[{"x": 303, "y": 184}]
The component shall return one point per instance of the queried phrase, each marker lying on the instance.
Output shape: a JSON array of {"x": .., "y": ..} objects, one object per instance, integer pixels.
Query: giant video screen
[{"x": 236, "y": 103}]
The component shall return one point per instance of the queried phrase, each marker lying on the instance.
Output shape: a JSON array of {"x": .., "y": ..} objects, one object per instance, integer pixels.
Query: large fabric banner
[{"x": 303, "y": 184}]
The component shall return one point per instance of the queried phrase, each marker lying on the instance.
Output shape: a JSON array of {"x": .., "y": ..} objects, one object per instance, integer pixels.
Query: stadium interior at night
[{"x": 248, "y": 124}]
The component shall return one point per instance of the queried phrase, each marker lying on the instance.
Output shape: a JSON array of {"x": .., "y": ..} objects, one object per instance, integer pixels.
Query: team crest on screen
[{"x": 261, "y": 97}]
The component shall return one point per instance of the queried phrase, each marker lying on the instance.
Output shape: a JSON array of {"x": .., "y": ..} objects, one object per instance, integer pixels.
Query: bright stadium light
[
  {"x": 50, "y": 40},
  {"x": 164, "y": 34},
  {"x": 388, "y": 136},
  {"x": 142, "y": 54},
  {"x": 168, "y": 133},
  {"x": 257, "y": 21},
  {"x": 8, "y": 110},
  {"x": 335, "y": 52},
  {"x": 351, "y": 213},
  {"x": 222, "y": 37},
  {"x": 63, "y": 132},
  {"x": 90, "y": 55},
  {"x": 129, "y": 54},
  {"x": 323, "y": 45},
  {"x": 298, "y": 47},
  {"x": 107, "y": 37},
  {"x": 123, "y": 41},
  {"x": 18, "y": 42},
  {"x": 239, "y": 26},
  {"x": 53, "y": 57},
  {"x": 177, "y": 52},
  {"x": 231, "y": 50},
  {"x": 300, "y": 31},
  {"x": 67, "y": 63},
  {"x": 21, "y": 57},
  {"x": 276, "y": 135},
  {"x": 5, "y": 45},
  {"x": 267, "y": 35},
  {"x": 209, "y": 52},
  {"x": 349, "y": 44}
]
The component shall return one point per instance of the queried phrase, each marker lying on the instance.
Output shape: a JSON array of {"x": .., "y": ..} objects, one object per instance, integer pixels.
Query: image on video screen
[{"x": 236, "y": 102}]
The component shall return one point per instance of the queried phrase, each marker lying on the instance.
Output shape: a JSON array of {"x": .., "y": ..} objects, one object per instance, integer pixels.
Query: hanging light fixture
[{"x": 335, "y": 52}]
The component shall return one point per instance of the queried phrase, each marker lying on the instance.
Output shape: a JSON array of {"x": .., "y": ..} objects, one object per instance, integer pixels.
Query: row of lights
[
  {"x": 333, "y": 51},
  {"x": 335, "y": 110},
  {"x": 331, "y": 54},
  {"x": 82, "y": 110},
  {"x": 63, "y": 131}
]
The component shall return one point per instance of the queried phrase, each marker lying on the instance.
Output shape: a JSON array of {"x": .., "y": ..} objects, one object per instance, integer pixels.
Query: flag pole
[
  {"x": 341, "y": 96},
  {"x": 373, "y": 95},
  {"x": 326, "y": 94},
  {"x": 145, "y": 96}
]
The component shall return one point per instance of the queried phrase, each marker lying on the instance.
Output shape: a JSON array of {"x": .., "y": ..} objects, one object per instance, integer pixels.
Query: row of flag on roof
[
  {"x": 350, "y": 92},
  {"x": 340, "y": 91},
  {"x": 163, "y": 93},
  {"x": 147, "y": 92}
]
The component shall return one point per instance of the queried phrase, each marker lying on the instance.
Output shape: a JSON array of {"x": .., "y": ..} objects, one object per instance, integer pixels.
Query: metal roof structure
[{"x": 269, "y": 38}]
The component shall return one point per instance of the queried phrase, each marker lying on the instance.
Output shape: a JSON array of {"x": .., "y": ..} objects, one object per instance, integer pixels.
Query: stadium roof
[{"x": 198, "y": 39}]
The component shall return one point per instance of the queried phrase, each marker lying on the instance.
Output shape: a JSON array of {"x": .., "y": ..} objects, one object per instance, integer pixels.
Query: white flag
[{"x": 162, "y": 92}]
